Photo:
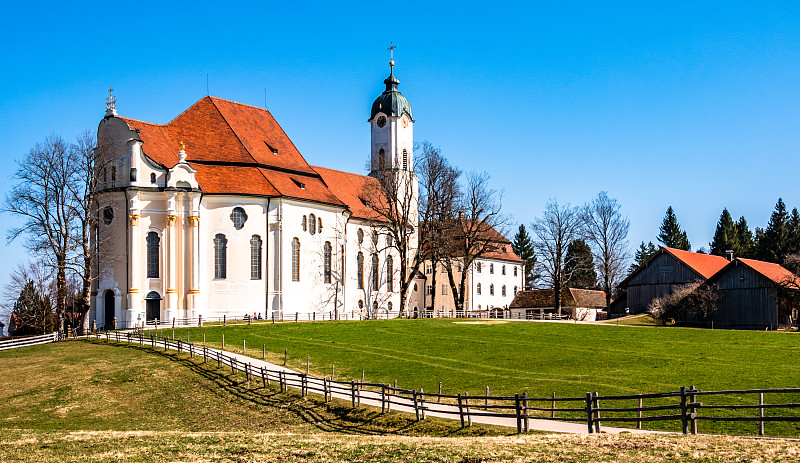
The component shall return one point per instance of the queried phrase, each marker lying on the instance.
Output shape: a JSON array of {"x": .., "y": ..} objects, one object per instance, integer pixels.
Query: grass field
[
  {"x": 86, "y": 401},
  {"x": 537, "y": 358}
]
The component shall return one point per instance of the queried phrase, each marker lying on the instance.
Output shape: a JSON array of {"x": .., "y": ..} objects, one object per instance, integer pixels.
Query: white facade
[{"x": 168, "y": 248}]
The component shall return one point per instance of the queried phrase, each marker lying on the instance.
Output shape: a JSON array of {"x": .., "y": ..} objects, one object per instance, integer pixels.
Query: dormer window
[
  {"x": 274, "y": 150},
  {"x": 301, "y": 185},
  {"x": 238, "y": 217}
]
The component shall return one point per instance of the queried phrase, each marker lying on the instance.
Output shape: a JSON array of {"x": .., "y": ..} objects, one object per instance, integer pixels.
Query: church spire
[{"x": 111, "y": 103}]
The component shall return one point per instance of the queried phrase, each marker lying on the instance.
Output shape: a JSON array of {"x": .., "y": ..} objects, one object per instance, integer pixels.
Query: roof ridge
[{"x": 231, "y": 127}]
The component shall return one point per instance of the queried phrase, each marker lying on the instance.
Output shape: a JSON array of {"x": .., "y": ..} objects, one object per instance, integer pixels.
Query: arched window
[
  {"x": 312, "y": 224},
  {"x": 360, "y": 269},
  {"x": 238, "y": 217},
  {"x": 389, "y": 306},
  {"x": 295, "y": 259},
  {"x": 152, "y": 254},
  {"x": 153, "y": 178},
  {"x": 374, "y": 306},
  {"x": 491, "y": 290},
  {"x": 319, "y": 224},
  {"x": 491, "y": 268},
  {"x": 388, "y": 241},
  {"x": 326, "y": 262},
  {"x": 478, "y": 267},
  {"x": 478, "y": 288},
  {"x": 503, "y": 290},
  {"x": 360, "y": 236},
  {"x": 416, "y": 288},
  {"x": 360, "y": 304},
  {"x": 381, "y": 160},
  {"x": 220, "y": 256},
  {"x": 374, "y": 271},
  {"x": 389, "y": 274},
  {"x": 255, "y": 257},
  {"x": 374, "y": 237},
  {"x": 303, "y": 223},
  {"x": 515, "y": 270},
  {"x": 405, "y": 159},
  {"x": 503, "y": 270}
]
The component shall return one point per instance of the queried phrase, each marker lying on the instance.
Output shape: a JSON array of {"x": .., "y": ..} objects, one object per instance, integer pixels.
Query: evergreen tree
[
  {"x": 579, "y": 266},
  {"x": 726, "y": 237},
  {"x": 671, "y": 234},
  {"x": 775, "y": 242},
  {"x": 644, "y": 252},
  {"x": 33, "y": 312},
  {"x": 523, "y": 248},
  {"x": 745, "y": 238}
]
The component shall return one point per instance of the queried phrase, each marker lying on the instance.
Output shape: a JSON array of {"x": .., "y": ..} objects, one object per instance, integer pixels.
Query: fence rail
[
  {"x": 29, "y": 341},
  {"x": 682, "y": 406}
]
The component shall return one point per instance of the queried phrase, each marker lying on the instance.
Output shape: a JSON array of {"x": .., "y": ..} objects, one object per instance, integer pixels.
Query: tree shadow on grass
[{"x": 335, "y": 416}]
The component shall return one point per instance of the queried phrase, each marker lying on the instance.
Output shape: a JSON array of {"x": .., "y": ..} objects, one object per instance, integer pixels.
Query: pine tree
[
  {"x": 671, "y": 234},
  {"x": 523, "y": 248},
  {"x": 579, "y": 266},
  {"x": 775, "y": 242},
  {"x": 745, "y": 238},
  {"x": 33, "y": 312},
  {"x": 726, "y": 237},
  {"x": 644, "y": 252}
]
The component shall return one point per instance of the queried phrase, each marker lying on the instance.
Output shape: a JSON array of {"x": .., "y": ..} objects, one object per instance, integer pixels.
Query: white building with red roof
[{"x": 217, "y": 213}]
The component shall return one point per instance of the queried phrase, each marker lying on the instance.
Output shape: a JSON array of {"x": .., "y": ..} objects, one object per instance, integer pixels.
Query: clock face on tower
[
  {"x": 381, "y": 121},
  {"x": 405, "y": 121}
]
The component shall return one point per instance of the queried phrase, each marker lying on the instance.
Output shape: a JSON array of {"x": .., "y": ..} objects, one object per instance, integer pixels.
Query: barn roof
[
  {"x": 705, "y": 265},
  {"x": 570, "y": 298},
  {"x": 774, "y": 272}
]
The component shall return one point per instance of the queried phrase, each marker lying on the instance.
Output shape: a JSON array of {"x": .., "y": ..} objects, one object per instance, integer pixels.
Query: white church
[{"x": 217, "y": 213}]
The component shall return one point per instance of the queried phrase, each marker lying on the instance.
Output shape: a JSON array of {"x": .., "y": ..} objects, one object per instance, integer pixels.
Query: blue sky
[{"x": 694, "y": 106}]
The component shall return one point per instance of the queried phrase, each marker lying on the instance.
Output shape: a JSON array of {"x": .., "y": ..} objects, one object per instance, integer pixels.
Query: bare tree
[
  {"x": 474, "y": 232},
  {"x": 82, "y": 190},
  {"x": 606, "y": 230},
  {"x": 42, "y": 197},
  {"x": 558, "y": 226}
]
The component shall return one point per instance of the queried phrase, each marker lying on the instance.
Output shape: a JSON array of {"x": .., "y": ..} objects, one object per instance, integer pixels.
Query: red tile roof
[
  {"x": 774, "y": 272},
  {"x": 233, "y": 146},
  {"x": 704, "y": 264},
  {"x": 348, "y": 187}
]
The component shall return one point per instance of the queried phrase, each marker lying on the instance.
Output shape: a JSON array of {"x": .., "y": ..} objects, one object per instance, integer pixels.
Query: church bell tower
[{"x": 392, "y": 128}]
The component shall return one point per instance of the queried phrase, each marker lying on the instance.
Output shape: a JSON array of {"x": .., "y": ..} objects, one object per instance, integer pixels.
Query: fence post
[
  {"x": 693, "y": 398},
  {"x": 224, "y": 320},
  {"x": 295, "y": 316},
  {"x": 353, "y": 391},
  {"x": 280, "y": 380},
  {"x": 440, "y": 392},
  {"x": 285, "y": 356},
  {"x": 219, "y": 360},
  {"x": 263, "y": 378},
  {"x": 422, "y": 402},
  {"x": 684, "y": 417},
  {"x": 233, "y": 365},
  {"x": 518, "y": 413},
  {"x": 761, "y": 413},
  {"x": 460, "y": 410},
  {"x": 244, "y": 346},
  {"x": 639, "y": 415},
  {"x": 525, "y": 410},
  {"x": 596, "y": 413},
  {"x": 486, "y": 403},
  {"x": 589, "y": 412},
  {"x": 467, "y": 411},
  {"x": 416, "y": 407},
  {"x": 359, "y": 387},
  {"x": 383, "y": 398},
  {"x": 303, "y": 390}
]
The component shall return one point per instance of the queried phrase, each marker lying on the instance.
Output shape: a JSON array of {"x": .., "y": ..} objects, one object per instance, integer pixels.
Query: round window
[
  {"x": 108, "y": 215},
  {"x": 238, "y": 217}
]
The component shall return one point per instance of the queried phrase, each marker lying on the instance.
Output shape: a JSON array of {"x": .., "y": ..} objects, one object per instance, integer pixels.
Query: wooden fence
[
  {"x": 682, "y": 407},
  {"x": 29, "y": 341}
]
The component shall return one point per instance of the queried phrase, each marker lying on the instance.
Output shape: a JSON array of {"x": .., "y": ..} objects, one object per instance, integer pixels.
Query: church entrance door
[
  {"x": 110, "y": 311},
  {"x": 153, "y": 306}
]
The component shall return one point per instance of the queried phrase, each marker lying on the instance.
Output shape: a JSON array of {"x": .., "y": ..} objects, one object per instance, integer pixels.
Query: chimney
[{"x": 729, "y": 252}]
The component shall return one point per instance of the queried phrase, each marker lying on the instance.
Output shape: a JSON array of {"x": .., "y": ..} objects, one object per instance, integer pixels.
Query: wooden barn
[
  {"x": 666, "y": 270},
  {"x": 754, "y": 295},
  {"x": 581, "y": 304}
]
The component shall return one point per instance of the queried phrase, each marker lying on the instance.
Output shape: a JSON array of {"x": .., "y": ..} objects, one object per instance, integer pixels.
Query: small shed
[
  {"x": 666, "y": 270},
  {"x": 581, "y": 304},
  {"x": 755, "y": 295}
]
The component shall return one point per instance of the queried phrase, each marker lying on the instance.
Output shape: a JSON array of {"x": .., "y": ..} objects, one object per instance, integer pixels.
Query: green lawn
[{"x": 537, "y": 358}]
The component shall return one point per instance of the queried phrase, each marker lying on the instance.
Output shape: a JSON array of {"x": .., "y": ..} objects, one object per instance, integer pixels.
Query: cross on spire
[
  {"x": 111, "y": 103},
  {"x": 391, "y": 54}
]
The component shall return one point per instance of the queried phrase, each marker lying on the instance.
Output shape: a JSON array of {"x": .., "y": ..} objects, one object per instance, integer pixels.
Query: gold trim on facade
[
  {"x": 194, "y": 291},
  {"x": 194, "y": 221},
  {"x": 133, "y": 291},
  {"x": 134, "y": 219},
  {"x": 171, "y": 220},
  {"x": 172, "y": 291}
]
